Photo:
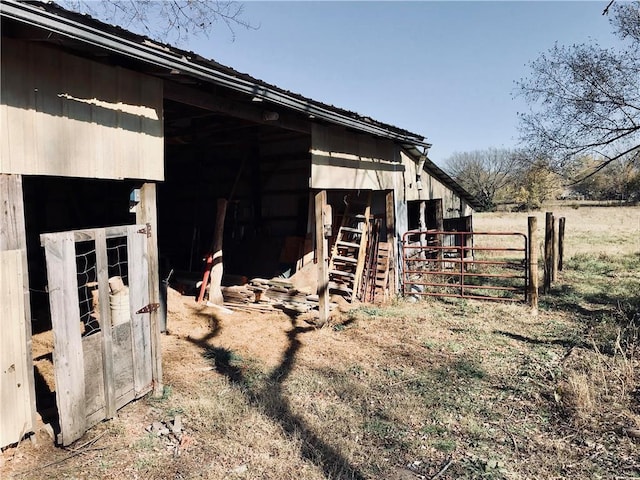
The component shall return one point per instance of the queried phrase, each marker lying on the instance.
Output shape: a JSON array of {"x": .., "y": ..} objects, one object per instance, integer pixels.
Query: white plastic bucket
[{"x": 119, "y": 307}]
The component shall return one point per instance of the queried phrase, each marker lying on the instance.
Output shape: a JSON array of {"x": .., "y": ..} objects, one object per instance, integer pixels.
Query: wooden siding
[
  {"x": 67, "y": 116},
  {"x": 345, "y": 160},
  {"x": 15, "y": 398},
  {"x": 432, "y": 188}
]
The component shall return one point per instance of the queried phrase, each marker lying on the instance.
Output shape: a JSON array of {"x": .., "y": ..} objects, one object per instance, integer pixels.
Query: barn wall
[
  {"x": 66, "y": 116},
  {"x": 345, "y": 160},
  {"x": 432, "y": 188}
]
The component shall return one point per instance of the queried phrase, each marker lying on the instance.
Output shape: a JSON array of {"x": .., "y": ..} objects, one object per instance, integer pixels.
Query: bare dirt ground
[{"x": 435, "y": 389}]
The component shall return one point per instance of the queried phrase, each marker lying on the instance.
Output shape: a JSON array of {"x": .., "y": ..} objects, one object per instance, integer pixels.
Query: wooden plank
[
  {"x": 147, "y": 214},
  {"x": 122, "y": 364},
  {"x": 93, "y": 376},
  {"x": 362, "y": 252},
  {"x": 56, "y": 120},
  {"x": 102, "y": 269},
  {"x": 65, "y": 318},
  {"x": 138, "y": 266},
  {"x": 390, "y": 216},
  {"x": 15, "y": 411},
  {"x": 13, "y": 237},
  {"x": 321, "y": 254},
  {"x": 86, "y": 235}
]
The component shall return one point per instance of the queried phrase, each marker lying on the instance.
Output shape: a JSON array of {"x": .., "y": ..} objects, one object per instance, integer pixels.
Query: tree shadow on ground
[
  {"x": 268, "y": 395},
  {"x": 563, "y": 342}
]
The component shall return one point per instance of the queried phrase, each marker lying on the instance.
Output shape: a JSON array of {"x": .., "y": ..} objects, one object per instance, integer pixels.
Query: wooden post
[
  {"x": 554, "y": 260},
  {"x": 548, "y": 252},
  {"x": 321, "y": 254},
  {"x": 533, "y": 265},
  {"x": 146, "y": 213},
  {"x": 67, "y": 343},
  {"x": 439, "y": 218},
  {"x": 13, "y": 236},
  {"x": 561, "y": 226},
  {"x": 422, "y": 225},
  {"x": 217, "y": 270},
  {"x": 390, "y": 215}
]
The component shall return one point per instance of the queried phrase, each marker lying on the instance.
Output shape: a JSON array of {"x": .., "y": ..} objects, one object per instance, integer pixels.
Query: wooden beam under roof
[{"x": 233, "y": 108}]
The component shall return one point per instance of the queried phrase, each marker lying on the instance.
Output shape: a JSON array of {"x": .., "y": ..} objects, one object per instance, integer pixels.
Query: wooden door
[{"x": 102, "y": 342}]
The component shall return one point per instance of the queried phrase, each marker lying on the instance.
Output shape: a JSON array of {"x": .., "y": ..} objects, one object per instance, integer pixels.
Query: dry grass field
[
  {"x": 589, "y": 229},
  {"x": 439, "y": 389}
]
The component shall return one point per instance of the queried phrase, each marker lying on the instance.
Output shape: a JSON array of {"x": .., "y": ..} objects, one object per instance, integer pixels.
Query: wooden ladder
[{"x": 348, "y": 254}]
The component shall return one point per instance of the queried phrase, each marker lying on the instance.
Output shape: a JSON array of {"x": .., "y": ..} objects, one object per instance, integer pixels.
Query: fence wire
[{"x": 87, "y": 275}]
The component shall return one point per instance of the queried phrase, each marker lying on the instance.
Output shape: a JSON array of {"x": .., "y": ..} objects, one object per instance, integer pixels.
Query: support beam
[
  {"x": 390, "y": 216},
  {"x": 261, "y": 113},
  {"x": 422, "y": 224},
  {"x": 147, "y": 213},
  {"x": 322, "y": 255},
  {"x": 217, "y": 270}
]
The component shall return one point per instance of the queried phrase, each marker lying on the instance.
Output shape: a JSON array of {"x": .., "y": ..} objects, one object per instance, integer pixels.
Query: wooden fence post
[
  {"x": 561, "y": 226},
  {"x": 533, "y": 265},
  {"x": 322, "y": 255},
  {"x": 554, "y": 252},
  {"x": 548, "y": 252}
]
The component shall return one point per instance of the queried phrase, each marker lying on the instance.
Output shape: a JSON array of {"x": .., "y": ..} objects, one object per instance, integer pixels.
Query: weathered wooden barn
[{"x": 114, "y": 151}]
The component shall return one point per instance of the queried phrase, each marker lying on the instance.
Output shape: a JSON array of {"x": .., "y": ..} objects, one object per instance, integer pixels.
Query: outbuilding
[{"x": 123, "y": 160}]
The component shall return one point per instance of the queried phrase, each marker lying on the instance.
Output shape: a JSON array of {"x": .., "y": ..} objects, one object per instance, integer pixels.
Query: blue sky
[{"x": 445, "y": 70}]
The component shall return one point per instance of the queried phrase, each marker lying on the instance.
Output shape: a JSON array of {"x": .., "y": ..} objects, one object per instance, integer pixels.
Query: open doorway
[{"x": 56, "y": 204}]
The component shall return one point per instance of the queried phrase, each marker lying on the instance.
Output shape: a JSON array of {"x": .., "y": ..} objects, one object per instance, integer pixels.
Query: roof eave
[{"x": 166, "y": 58}]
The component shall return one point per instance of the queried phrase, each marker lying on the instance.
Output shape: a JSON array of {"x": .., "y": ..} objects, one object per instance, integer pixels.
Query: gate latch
[{"x": 152, "y": 307}]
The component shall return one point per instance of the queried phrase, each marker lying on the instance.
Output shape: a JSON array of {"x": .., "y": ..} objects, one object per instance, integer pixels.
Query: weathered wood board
[
  {"x": 68, "y": 116},
  {"x": 15, "y": 398},
  {"x": 98, "y": 372}
]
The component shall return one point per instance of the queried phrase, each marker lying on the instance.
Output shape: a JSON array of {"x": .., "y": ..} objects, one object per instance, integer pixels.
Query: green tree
[
  {"x": 535, "y": 183},
  {"x": 618, "y": 180}
]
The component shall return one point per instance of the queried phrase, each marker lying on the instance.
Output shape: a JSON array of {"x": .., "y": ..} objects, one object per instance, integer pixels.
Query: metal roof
[
  {"x": 53, "y": 18},
  {"x": 56, "y": 19}
]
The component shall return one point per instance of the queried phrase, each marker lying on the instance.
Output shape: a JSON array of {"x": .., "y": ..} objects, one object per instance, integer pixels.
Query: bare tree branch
[
  {"x": 584, "y": 99},
  {"x": 172, "y": 21}
]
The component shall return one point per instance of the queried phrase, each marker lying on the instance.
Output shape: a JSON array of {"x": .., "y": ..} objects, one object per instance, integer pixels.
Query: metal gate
[
  {"x": 479, "y": 265},
  {"x": 102, "y": 340}
]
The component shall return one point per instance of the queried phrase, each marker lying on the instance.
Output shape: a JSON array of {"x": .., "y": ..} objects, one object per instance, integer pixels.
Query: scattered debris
[
  {"x": 261, "y": 295},
  {"x": 172, "y": 434},
  {"x": 240, "y": 469}
]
